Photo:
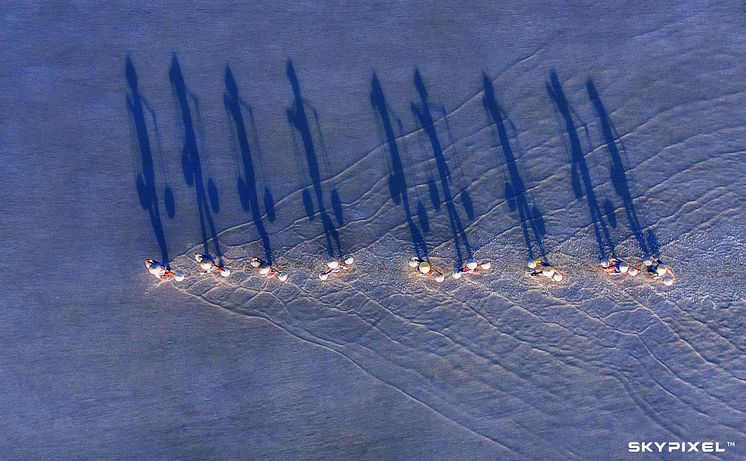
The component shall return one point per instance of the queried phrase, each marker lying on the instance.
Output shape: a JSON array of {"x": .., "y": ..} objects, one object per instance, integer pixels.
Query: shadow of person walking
[
  {"x": 146, "y": 182},
  {"x": 191, "y": 163},
  {"x": 298, "y": 119},
  {"x": 580, "y": 176},
  {"x": 530, "y": 217},
  {"x": 425, "y": 120},
  {"x": 247, "y": 183},
  {"x": 618, "y": 175},
  {"x": 397, "y": 180}
]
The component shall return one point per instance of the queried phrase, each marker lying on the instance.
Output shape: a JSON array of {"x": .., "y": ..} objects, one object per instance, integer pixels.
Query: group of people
[
  {"x": 264, "y": 269},
  {"x": 654, "y": 267},
  {"x": 542, "y": 268},
  {"x": 423, "y": 268},
  {"x": 334, "y": 266},
  {"x": 208, "y": 265},
  {"x": 162, "y": 271}
]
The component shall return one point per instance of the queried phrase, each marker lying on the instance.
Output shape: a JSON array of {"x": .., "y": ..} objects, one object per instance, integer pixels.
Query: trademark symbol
[{"x": 731, "y": 444}]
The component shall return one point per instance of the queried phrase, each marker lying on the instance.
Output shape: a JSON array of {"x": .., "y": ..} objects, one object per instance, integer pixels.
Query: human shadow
[
  {"x": 268, "y": 199},
  {"x": 145, "y": 181},
  {"x": 247, "y": 183},
  {"x": 191, "y": 163},
  {"x": 515, "y": 189},
  {"x": 298, "y": 119},
  {"x": 422, "y": 215},
  {"x": 424, "y": 117},
  {"x": 336, "y": 202},
  {"x": 580, "y": 177},
  {"x": 619, "y": 177},
  {"x": 463, "y": 193},
  {"x": 396, "y": 180}
]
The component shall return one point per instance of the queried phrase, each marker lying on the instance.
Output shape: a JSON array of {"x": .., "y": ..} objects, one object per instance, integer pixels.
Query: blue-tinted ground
[{"x": 292, "y": 131}]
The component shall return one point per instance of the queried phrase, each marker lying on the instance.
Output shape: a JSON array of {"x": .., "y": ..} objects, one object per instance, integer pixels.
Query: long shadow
[
  {"x": 466, "y": 201},
  {"x": 397, "y": 180},
  {"x": 247, "y": 184},
  {"x": 424, "y": 116},
  {"x": 432, "y": 186},
  {"x": 579, "y": 170},
  {"x": 336, "y": 202},
  {"x": 530, "y": 217},
  {"x": 298, "y": 119},
  {"x": 424, "y": 219},
  {"x": 146, "y": 186},
  {"x": 618, "y": 175},
  {"x": 191, "y": 163},
  {"x": 269, "y": 201}
]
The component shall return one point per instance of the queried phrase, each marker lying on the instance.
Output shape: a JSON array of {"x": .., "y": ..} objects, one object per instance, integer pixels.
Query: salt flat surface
[{"x": 292, "y": 131}]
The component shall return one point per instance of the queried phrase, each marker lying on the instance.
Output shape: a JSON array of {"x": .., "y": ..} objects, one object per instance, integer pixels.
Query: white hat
[
  {"x": 255, "y": 262},
  {"x": 156, "y": 269},
  {"x": 623, "y": 267},
  {"x": 413, "y": 262},
  {"x": 264, "y": 270},
  {"x": 471, "y": 263},
  {"x": 439, "y": 278},
  {"x": 225, "y": 272},
  {"x": 548, "y": 271},
  {"x": 199, "y": 257},
  {"x": 661, "y": 270},
  {"x": 647, "y": 261},
  {"x": 532, "y": 264},
  {"x": 456, "y": 274},
  {"x": 332, "y": 263},
  {"x": 349, "y": 260},
  {"x": 633, "y": 271},
  {"x": 668, "y": 280},
  {"x": 424, "y": 267},
  {"x": 486, "y": 265},
  {"x": 557, "y": 277},
  {"x": 282, "y": 277},
  {"x": 178, "y": 276},
  {"x": 604, "y": 262},
  {"x": 205, "y": 264},
  {"x": 323, "y": 275}
]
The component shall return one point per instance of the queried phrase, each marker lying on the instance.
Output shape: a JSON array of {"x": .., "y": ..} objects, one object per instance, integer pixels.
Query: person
[
  {"x": 613, "y": 266},
  {"x": 266, "y": 270},
  {"x": 334, "y": 266},
  {"x": 657, "y": 269},
  {"x": 333, "y": 263},
  {"x": 423, "y": 267},
  {"x": 155, "y": 268},
  {"x": 471, "y": 267},
  {"x": 323, "y": 275},
  {"x": 654, "y": 266},
  {"x": 161, "y": 271},
  {"x": 207, "y": 265},
  {"x": 540, "y": 268}
]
